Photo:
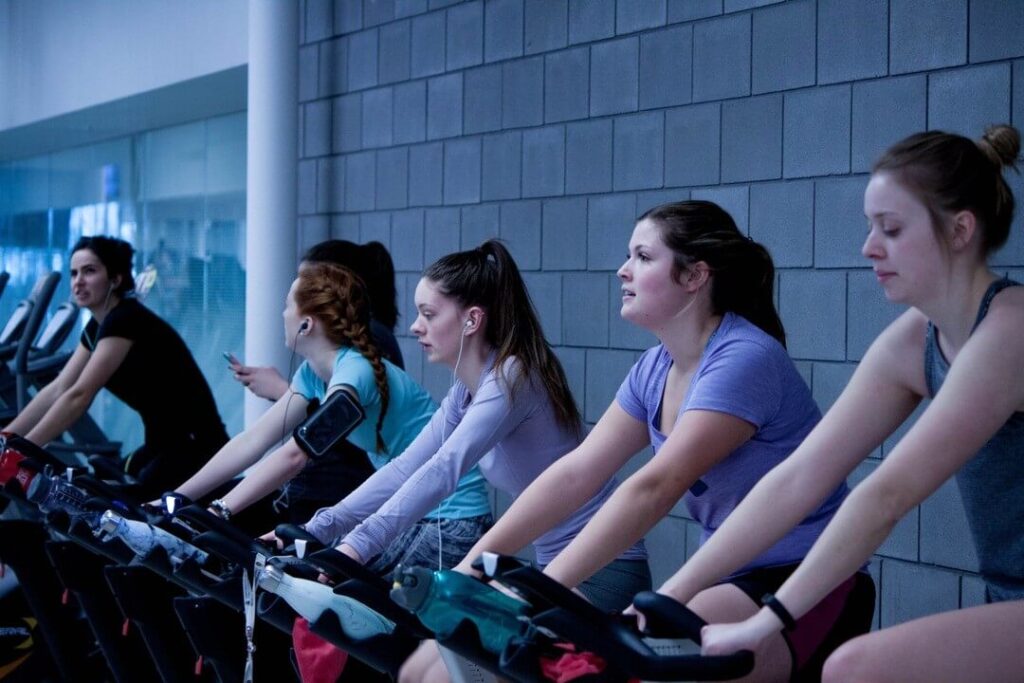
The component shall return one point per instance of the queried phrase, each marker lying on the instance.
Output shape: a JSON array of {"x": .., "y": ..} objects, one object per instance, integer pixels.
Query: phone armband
[{"x": 331, "y": 422}]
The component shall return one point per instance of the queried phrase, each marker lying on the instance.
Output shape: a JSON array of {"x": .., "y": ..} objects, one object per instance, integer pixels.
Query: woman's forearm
[
  {"x": 35, "y": 410},
  {"x": 274, "y": 471},
  {"x": 63, "y": 413},
  {"x": 228, "y": 462}
]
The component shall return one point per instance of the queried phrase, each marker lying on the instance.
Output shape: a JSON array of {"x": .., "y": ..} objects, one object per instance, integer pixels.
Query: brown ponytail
[{"x": 337, "y": 298}]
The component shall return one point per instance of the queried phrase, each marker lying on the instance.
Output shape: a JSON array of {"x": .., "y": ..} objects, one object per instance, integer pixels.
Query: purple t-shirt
[
  {"x": 513, "y": 440},
  {"x": 743, "y": 372}
]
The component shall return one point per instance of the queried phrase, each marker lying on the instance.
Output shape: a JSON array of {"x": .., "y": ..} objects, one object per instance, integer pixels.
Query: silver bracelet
[{"x": 222, "y": 509}]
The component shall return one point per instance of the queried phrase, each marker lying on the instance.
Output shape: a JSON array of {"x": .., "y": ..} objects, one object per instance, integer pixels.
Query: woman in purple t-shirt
[{"x": 721, "y": 403}]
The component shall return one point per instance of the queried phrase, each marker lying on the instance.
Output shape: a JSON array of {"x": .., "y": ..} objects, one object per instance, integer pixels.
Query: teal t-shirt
[{"x": 410, "y": 408}]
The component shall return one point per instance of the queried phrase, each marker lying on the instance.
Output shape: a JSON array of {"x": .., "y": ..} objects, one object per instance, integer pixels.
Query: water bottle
[
  {"x": 442, "y": 599},
  {"x": 55, "y": 493},
  {"x": 143, "y": 538},
  {"x": 311, "y": 599}
]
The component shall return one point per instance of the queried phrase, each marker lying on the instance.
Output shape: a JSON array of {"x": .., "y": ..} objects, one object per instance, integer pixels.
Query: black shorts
[{"x": 845, "y": 613}]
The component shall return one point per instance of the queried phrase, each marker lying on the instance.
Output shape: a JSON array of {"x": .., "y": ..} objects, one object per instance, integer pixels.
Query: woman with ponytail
[
  {"x": 509, "y": 410},
  {"x": 327, "y": 322},
  {"x": 937, "y": 205},
  {"x": 720, "y": 402}
]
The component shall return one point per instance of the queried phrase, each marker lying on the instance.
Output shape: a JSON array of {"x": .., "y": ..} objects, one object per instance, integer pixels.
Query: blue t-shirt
[
  {"x": 746, "y": 373},
  {"x": 409, "y": 409}
]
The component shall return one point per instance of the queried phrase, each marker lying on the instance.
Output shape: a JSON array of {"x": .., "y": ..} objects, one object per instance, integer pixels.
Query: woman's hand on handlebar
[
  {"x": 349, "y": 551},
  {"x": 725, "y": 639},
  {"x": 271, "y": 537}
]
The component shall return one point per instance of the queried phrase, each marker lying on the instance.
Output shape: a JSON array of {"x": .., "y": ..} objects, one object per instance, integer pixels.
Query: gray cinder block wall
[{"x": 431, "y": 125}]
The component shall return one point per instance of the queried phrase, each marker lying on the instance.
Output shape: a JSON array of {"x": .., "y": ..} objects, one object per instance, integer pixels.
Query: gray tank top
[{"x": 991, "y": 483}]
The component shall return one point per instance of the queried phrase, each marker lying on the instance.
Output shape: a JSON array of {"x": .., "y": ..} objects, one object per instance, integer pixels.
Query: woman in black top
[{"x": 122, "y": 348}]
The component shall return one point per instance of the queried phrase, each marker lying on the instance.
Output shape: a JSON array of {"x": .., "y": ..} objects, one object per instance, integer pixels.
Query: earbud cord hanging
[
  {"x": 282, "y": 501},
  {"x": 444, "y": 437}
]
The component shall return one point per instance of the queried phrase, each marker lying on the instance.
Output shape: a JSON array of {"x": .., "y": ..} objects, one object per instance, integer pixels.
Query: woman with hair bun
[
  {"x": 327, "y": 322},
  {"x": 121, "y": 349},
  {"x": 720, "y": 402},
  {"x": 937, "y": 206}
]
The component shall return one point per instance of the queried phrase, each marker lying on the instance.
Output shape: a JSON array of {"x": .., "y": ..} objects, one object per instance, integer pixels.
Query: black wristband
[{"x": 771, "y": 602}]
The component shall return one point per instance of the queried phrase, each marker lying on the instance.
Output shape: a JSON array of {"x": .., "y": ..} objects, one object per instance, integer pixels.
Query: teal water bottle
[{"x": 442, "y": 599}]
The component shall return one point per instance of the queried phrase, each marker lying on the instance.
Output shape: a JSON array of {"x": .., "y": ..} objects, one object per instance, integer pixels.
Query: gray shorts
[
  {"x": 417, "y": 545},
  {"x": 613, "y": 587}
]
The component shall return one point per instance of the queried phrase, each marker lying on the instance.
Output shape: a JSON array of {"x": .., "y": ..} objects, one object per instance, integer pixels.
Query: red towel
[
  {"x": 319, "y": 661},
  {"x": 571, "y": 665}
]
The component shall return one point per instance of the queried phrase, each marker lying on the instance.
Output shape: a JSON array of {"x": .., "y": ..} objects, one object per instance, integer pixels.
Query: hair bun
[{"x": 1001, "y": 144}]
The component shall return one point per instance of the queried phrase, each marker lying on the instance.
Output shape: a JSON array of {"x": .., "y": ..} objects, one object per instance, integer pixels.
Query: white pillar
[{"x": 272, "y": 178}]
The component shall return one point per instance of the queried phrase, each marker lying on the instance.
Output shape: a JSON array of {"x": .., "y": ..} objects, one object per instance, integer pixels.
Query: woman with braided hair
[{"x": 327, "y": 322}]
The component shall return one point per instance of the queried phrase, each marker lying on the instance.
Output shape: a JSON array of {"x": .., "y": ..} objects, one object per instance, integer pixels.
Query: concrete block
[
  {"x": 479, "y": 224},
  {"x": 829, "y": 380},
  {"x": 605, "y": 371},
  {"x": 362, "y": 60},
  {"x": 651, "y": 198},
  {"x": 666, "y": 67},
  {"x": 721, "y": 58},
  {"x": 393, "y": 178},
  {"x": 348, "y": 16},
  {"x": 436, "y": 380},
  {"x": 972, "y": 591},
  {"x": 1012, "y": 253},
  {"x": 316, "y": 121},
  {"x": 692, "y": 149},
  {"x": 444, "y": 106},
  {"x": 588, "y": 156},
  {"x": 378, "y": 115},
  {"x": 503, "y": 30},
  {"x": 436, "y": 4},
  {"x": 309, "y": 72},
  {"x": 804, "y": 367},
  {"x": 574, "y": 363},
  {"x": 868, "y": 312},
  {"x": 360, "y": 181},
  {"x": 465, "y": 35},
  {"x": 782, "y": 219},
  {"x": 319, "y": 20},
  {"x": 812, "y": 307},
  {"x": 623, "y": 334},
  {"x": 926, "y": 34},
  {"x": 666, "y": 543},
  {"x": 639, "y": 15},
  {"x": 734, "y": 199},
  {"x": 395, "y": 49},
  {"x": 989, "y": 86},
  {"x": 816, "y": 137},
  {"x": 378, "y": 11},
  {"x": 407, "y": 8},
  {"x": 567, "y": 85},
  {"x": 911, "y": 591},
  {"x": 902, "y": 542},
  {"x": 502, "y": 165},
  {"x": 546, "y": 293},
  {"x": 306, "y": 197},
  {"x": 522, "y": 93},
  {"x": 904, "y": 101},
  {"x": 412, "y": 354},
  {"x": 783, "y": 47},
  {"x": 333, "y": 67},
  {"x": 427, "y": 57},
  {"x": 752, "y": 138},
  {"x": 345, "y": 227},
  {"x": 375, "y": 227},
  {"x": 312, "y": 229},
  {"x": 347, "y": 129},
  {"x": 853, "y": 40},
  {"x": 441, "y": 229},
  {"x": 410, "y": 106},
  {"x": 585, "y": 325},
  {"x": 330, "y": 185},
  {"x": 688, "y": 10},
  {"x": 1018, "y": 93},
  {"x": 482, "y": 104},
  {"x": 547, "y": 25},
  {"x": 407, "y": 240},
  {"x": 544, "y": 161},
  {"x": 639, "y": 151},
  {"x": 996, "y": 27},
  {"x": 610, "y": 220},
  {"x": 738, "y": 5},
  {"x": 839, "y": 227},
  {"x": 945, "y": 536},
  {"x": 462, "y": 171},
  {"x": 426, "y": 164},
  {"x": 564, "y": 234},
  {"x": 613, "y": 76},
  {"x": 520, "y": 229},
  {"x": 590, "y": 21}
]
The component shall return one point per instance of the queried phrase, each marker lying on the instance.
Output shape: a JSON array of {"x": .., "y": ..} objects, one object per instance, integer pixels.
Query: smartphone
[
  {"x": 332, "y": 421},
  {"x": 231, "y": 358}
]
